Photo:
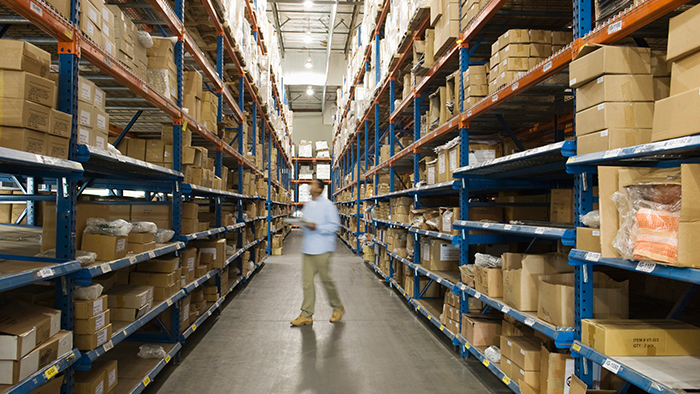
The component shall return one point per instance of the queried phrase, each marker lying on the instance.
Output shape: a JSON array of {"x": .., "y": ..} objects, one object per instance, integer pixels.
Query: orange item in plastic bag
[{"x": 657, "y": 236}]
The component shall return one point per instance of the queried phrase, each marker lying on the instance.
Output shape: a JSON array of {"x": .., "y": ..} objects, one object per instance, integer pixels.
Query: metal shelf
[
  {"x": 424, "y": 309},
  {"x": 88, "y": 357},
  {"x": 84, "y": 276},
  {"x": 101, "y": 163},
  {"x": 653, "y": 374},
  {"x": 192, "y": 328},
  {"x": 203, "y": 234},
  {"x": 494, "y": 368},
  {"x": 563, "y": 336},
  {"x": 566, "y": 235},
  {"x": 156, "y": 370},
  {"x": 45, "y": 374},
  {"x": 390, "y": 223},
  {"x": 380, "y": 243},
  {"x": 28, "y": 164},
  {"x": 39, "y": 273},
  {"x": 200, "y": 281},
  {"x": 434, "y": 234},
  {"x": 235, "y": 226},
  {"x": 348, "y": 244},
  {"x": 652, "y": 154},
  {"x": 196, "y": 190},
  {"x": 684, "y": 274}
]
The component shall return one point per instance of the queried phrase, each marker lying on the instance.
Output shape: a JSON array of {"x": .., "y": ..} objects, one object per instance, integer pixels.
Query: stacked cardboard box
[
  {"x": 192, "y": 95},
  {"x": 30, "y": 121},
  {"x": 129, "y": 303},
  {"x": 97, "y": 22},
  {"x": 140, "y": 242},
  {"x": 163, "y": 274},
  {"x": 614, "y": 97},
  {"x": 444, "y": 17},
  {"x": 130, "y": 52},
  {"x": 450, "y": 312},
  {"x": 521, "y": 274},
  {"x": 92, "y": 323},
  {"x": 101, "y": 378},
  {"x": 322, "y": 149},
  {"x": 210, "y": 111},
  {"x": 30, "y": 339},
  {"x": 470, "y": 9},
  {"x": 521, "y": 359},
  {"x": 93, "y": 120},
  {"x": 161, "y": 215},
  {"x": 162, "y": 73},
  {"x": 305, "y": 149},
  {"x": 400, "y": 208},
  {"x": 515, "y": 52},
  {"x": 213, "y": 253},
  {"x": 475, "y": 84},
  {"x": 481, "y": 330}
]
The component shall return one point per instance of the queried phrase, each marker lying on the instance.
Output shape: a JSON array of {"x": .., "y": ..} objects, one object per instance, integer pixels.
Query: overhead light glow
[
  {"x": 307, "y": 37},
  {"x": 310, "y": 91},
  {"x": 308, "y": 4},
  {"x": 308, "y": 63}
]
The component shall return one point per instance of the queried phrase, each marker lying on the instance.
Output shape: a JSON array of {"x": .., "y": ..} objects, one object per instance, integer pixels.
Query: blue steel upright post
[
  {"x": 219, "y": 117},
  {"x": 583, "y": 274},
  {"x": 464, "y": 186},
  {"x": 67, "y": 190},
  {"x": 241, "y": 151},
  {"x": 268, "y": 249},
  {"x": 417, "y": 99}
]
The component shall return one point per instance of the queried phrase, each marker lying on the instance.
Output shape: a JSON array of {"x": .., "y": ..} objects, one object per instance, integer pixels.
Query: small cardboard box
[
  {"x": 12, "y": 372},
  {"x": 91, "y": 341},
  {"x": 107, "y": 247},
  {"x": 652, "y": 337},
  {"x": 90, "y": 382},
  {"x": 86, "y": 91},
  {"x": 25, "y": 114},
  {"x": 23, "y": 326},
  {"x": 24, "y": 140},
  {"x": 521, "y": 277},
  {"x": 85, "y": 309},
  {"x": 130, "y": 314},
  {"x": 615, "y": 88},
  {"x": 60, "y": 124},
  {"x": 152, "y": 279},
  {"x": 129, "y": 296},
  {"x": 26, "y": 86},
  {"x": 562, "y": 206},
  {"x": 23, "y": 56},
  {"x": 439, "y": 255},
  {"x": 92, "y": 324},
  {"x": 593, "y": 61},
  {"x": 588, "y": 239},
  {"x": 526, "y": 353},
  {"x": 86, "y": 114},
  {"x": 489, "y": 281},
  {"x": 481, "y": 330},
  {"x": 162, "y": 265},
  {"x": 101, "y": 121}
]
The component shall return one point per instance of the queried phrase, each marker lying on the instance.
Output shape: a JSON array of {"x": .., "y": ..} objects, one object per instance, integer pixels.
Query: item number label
[
  {"x": 45, "y": 272},
  {"x": 592, "y": 256},
  {"x": 615, "y": 27},
  {"x": 539, "y": 230},
  {"x": 530, "y": 321},
  {"x": 35, "y": 7},
  {"x": 611, "y": 366},
  {"x": 505, "y": 309},
  {"x": 105, "y": 268},
  {"x": 53, "y": 371},
  {"x": 146, "y": 381},
  {"x": 645, "y": 267}
]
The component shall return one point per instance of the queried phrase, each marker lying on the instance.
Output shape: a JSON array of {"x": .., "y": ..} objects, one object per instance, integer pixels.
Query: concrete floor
[{"x": 381, "y": 346}]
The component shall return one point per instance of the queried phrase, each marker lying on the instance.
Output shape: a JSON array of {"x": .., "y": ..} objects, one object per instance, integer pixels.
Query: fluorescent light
[
  {"x": 308, "y": 63},
  {"x": 308, "y": 4},
  {"x": 310, "y": 91},
  {"x": 307, "y": 37}
]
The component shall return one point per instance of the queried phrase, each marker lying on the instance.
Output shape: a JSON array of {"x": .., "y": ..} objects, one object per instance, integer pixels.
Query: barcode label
[
  {"x": 530, "y": 321},
  {"x": 132, "y": 260},
  {"x": 486, "y": 225},
  {"x": 539, "y": 230},
  {"x": 547, "y": 66},
  {"x": 645, "y": 267},
  {"x": 34, "y": 7},
  {"x": 611, "y": 366},
  {"x": 45, "y": 272},
  {"x": 477, "y": 295},
  {"x": 508, "y": 227},
  {"x": 505, "y": 309},
  {"x": 152, "y": 254},
  {"x": 592, "y": 256},
  {"x": 615, "y": 27},
  {"x": 108, "y": 346},
  {"x": 516, "y": 85},
  {"x": 494, "y": 98},
  {"x": 105, "y": 268}
]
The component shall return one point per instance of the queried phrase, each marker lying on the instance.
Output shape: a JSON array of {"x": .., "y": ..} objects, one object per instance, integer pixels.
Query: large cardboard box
[
  {"x": 677, "y": 116},
  {"x": 24, "y": 140},
  {"x": 23, "y": 326},
  {"x": 556, "y": 298},
  {"x": 682, "y": 33},
  {"x": 684, "y": 74},
  {"x": 593, "y": 61},
  {"x": 615, "y": 115},
  {"x": 86, "y": 309},
  {"x": 92, "y": 324},
  {"x": 107, "y": 247},
  {"x": 481, "y": 330},
  {"x": 611, "y": 139},
  {"x": 27, "y": 86},
  {"x": 521, "y": 277},
  {"x": 652, "y": 337},
  {"x": 25, "y": 114},
  {"x": 562, "y": 206},
  {"x": 525, "y": 353},
  {"x": 555, "y": 370},
  {"x": 615, "y": 88},
  {"x": 89, "y": 342},
  {"x": 439, "y": 255},
  {"x": 12, "y": 372},
  {"x": 130, "y": 296},
  {"x": 489, "y": 281},
  {"x": 60, "y": 124},
  {"x": 23, "y": 56}
]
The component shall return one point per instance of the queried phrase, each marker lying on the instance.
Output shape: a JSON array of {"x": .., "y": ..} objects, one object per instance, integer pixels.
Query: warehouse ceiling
[{"x": 310, "y": 29}]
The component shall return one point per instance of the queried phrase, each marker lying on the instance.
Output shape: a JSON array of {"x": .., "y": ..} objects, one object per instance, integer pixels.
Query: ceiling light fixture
[
  {"x": 310, "y": 91},
  {"x": 307, "y": 37},
  {"x": 308, "y": 4},
  {"x": 308, "y": 63}
]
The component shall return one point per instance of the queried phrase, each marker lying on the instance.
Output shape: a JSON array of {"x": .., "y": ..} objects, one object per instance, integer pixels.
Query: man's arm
[{"x": 332, "y": 221}]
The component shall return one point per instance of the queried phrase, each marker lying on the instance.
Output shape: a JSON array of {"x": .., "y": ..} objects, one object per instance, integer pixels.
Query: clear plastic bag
[
  {"x": 111, "y": 149},
  {"x": 649, "y": 210},
  {"x": 91, "y": 292},
  {"x": 115, "y": 228},
  {"x": 151, "y": 351},
  {"x": 163, "y": 235},
  {"x": 145, "y": 39},
  {"x": 591, "y": 219},
  {"x": 493, "y": 354},
  {"x": 487, "y": 261},
  {"x": 83, "y": 257},
  {"x": 144, "y": 227}
]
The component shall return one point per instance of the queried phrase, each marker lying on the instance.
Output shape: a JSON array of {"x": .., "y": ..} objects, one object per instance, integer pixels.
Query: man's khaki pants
[{"x": 320, "y": 264}]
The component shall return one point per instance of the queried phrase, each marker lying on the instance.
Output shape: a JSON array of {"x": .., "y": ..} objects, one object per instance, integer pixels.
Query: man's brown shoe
[
  {"x": 337, "y": 315},
  {"x": 302, "y": 321}
]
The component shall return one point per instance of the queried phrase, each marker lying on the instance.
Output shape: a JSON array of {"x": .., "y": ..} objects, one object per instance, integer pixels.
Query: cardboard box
[
  {"x": 215, "y": 248},
  {"x": 521, "y": 277},
  {"x": 612, "y": 139},
  {"x": 130, "y": 314},
  {"x": 137, "y": 248},
  {"x": 556, "y": 296},
  {"x": 136, "y": 148},
  {"x": 481, "y": 330},
  {"x": 86, "y": 114},
  {"x": 90, "y": 342},
  {"x": 100, "y": 98},
  {"x": 25, "y": 114},
  {"x": 92, "y": 324},
  {"x": 652, "y": 337},
  {"x": 615, "y": 115},
  {"x": 682, "y": 31},
  {"x": 506, "y": 366},
  {"x": 26, "y": 86},
  {"x": 101, "y": 121},
  {"x": 23, "y": 326},
  {"x": 163, "y": 293},
  {"x": 676, "y": 116},
  {"x": 684, "y": 74},
  {"x": 85, "y": 309},
  {"x": 562, "y": 206},
  {"x": 531, "y": 378},
  {"x": 24, "y": 140},
  {"x": 129, "y": 296},
  {"x": 90, "y": 382},
  {"x": 514, "y": 36},
  {"x": 12, "y": 372},
  {"x": 140, "y": 238},
  {"x": 110, "y": 369},
  {"x": 525, "y": 353},
  {"x": 160, "y": 265},
  {"x": 588, "y": 239},
  {"x": 615, "y": 88},
  {"x": 60, "y": 124},
  {"x": 555, "y": 370},
  {"x": 439, "y": 255},
  {"x": 53, "y": 386},
  {"x": 107, "y": 247},
  {"x": 489, "y": 281},
  {"x": 515, "y": 50},
  {"x": 578, "y": 387},
  {"x": 593, "y": 61},
  {"x": 152, "y": 279},
  {"x": 155, "y": 150},
  {"x": 662, "y": 88},
  {"x": 23, "y": 56}
]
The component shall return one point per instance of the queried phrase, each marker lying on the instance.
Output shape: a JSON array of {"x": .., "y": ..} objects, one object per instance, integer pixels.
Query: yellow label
[
  {"x": 167, "y": 359},
  {"x": 467, "y": 346},
  {"x": 486, "y": 362},
  {"x": 146, "y": 381},
  {"x": 506, "y": 380},
  {"x": 429, "y": 316},
  {"x": 184, "y": 126},
  {"x": 125, "y": 332},
  {"x": 69, "y": 34},
  {"x": 51, "y": 372},
  {"x": 418, "y": 308},
  {"x": 577, "y": 347},
  {"x": 194, "y": 327},
  {"x": 442, "y": 328}
]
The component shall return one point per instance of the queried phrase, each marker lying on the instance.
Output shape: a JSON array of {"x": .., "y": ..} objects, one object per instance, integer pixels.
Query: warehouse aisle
[{"x": 378, "y": 347}]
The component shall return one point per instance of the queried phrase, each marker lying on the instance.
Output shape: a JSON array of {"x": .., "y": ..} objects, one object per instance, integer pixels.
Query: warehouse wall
[{"x": 310, "y": 127}]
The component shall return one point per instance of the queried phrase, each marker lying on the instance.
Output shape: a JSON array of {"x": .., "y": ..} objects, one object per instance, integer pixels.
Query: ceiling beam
[
  {"x": 318, "y": 2},
  {"x": 334, "y": 10},
  {"x": 277, "y": 26}
]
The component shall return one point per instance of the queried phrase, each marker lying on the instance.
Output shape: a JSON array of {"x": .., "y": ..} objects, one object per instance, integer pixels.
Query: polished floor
[{"x": 381, "y": 346}]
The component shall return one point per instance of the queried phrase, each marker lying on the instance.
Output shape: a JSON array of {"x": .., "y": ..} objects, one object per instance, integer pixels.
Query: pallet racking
[
  {"x": 535, "y": 103},
  {"x": 90, "y": 167}
]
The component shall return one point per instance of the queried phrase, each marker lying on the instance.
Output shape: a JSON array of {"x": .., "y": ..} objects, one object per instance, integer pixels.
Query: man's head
[{"x": 317, "y": 187}]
